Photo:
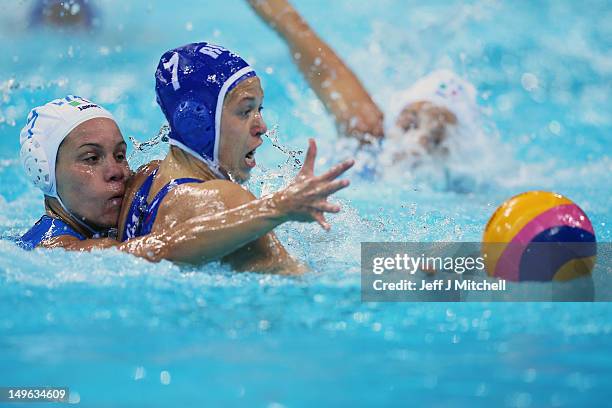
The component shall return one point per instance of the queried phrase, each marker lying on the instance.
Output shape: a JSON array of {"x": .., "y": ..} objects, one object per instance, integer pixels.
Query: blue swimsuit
[
  {"x": 141, "y": 216},
  {"x": 46, "y": 228}
]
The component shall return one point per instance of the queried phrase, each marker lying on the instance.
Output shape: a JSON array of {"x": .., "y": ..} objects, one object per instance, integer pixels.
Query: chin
[
  {"x": 241, "y": 176},
  {"x": 109, "y": 222}
]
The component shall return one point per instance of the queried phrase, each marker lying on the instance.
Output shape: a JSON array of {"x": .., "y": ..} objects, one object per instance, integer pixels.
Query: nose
[
  {"x": 115, "y": 171},
  {"x": 260, "y": 126}
]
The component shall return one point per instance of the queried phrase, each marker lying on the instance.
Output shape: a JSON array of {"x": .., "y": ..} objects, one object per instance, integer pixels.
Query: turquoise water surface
[{"x": 120, "y": 331}]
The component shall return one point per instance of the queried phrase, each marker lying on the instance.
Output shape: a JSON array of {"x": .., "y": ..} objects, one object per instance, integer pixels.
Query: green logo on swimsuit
[{"x": 75, "y": 103}]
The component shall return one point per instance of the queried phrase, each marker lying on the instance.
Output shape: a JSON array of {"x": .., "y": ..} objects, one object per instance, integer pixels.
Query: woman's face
[
  {"x": 91, "y": 171},
  {"x": 241, "y": 128}
]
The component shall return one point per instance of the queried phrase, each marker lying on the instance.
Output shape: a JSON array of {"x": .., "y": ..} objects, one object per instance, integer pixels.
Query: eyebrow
[
  {"x": 247, "y": 98},
  {"x": 99, "y": 146},
  {"x": 90, "y": 145}
]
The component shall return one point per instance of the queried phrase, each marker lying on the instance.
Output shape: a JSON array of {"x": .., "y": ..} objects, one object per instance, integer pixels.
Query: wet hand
[
  {"x": 363, "y": 121},
  {"x": 305, "y": 199},
  {"x": 365, "y": 124}
]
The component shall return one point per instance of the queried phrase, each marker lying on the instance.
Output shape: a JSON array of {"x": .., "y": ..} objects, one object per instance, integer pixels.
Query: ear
[
  {"x": 36, "y": 165},
  {"x": 192, "y": 116},
  {"x": 194, "y": 122}
]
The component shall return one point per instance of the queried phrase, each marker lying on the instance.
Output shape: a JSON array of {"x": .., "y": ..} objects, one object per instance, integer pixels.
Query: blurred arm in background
[{"x": 334, "y": 83}]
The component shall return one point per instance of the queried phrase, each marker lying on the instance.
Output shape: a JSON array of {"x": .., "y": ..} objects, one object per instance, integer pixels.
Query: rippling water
[{"x": 123, "y": 332}]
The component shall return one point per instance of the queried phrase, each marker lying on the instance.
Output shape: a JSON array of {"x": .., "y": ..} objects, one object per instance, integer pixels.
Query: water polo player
[
  {"x": 426, "y": 113},
  {"x": 212, "y": 100},
  {"x": 72, "y": 149}
]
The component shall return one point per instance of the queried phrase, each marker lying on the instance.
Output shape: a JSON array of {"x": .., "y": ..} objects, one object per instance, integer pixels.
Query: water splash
[
  {"x": 143, "y": 147},
  {"x": 292, "y": 155},
  {"x": 150, "y": 149}
]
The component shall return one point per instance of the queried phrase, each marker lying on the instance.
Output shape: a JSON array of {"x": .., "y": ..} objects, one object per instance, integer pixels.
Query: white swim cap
[
  {"x": 443, "y": 88},
  {"x": 46, "y": 128}
]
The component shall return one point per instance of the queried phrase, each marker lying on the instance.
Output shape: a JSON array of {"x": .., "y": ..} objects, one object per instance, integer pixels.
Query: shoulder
[
  {"x": 232, "y": 194},
  {"x": 195, "y": 199},
  {"x": 212, "y": 190},
  {"x": 141, "y": 174},
  {"x": 149, "y": 167}
]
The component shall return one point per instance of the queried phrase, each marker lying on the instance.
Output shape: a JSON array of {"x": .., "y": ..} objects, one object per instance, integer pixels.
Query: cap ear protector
[
  {"x": 194, "y": 120},
  {"x": 37, "y": 166}
]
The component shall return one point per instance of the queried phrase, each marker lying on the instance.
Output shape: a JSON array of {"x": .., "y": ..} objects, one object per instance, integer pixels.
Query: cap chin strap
[{"x": 213, "y": 166}]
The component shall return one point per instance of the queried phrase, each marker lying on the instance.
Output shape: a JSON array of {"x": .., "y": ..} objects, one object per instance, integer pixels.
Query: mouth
[
  {"x": 116, "y": 200},
  {"x": 249, "y": 159}
]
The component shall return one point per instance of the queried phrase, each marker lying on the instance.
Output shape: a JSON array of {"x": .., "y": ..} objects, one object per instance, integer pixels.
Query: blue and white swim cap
[
  {"x": 46, "y": 128},
  {"x": 191, "y": 83}
]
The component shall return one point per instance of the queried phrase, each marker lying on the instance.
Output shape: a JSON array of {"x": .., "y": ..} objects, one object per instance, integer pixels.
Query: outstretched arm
[
  {"x": 334, "y": 83},
  {"x": 199, "y": 239}
]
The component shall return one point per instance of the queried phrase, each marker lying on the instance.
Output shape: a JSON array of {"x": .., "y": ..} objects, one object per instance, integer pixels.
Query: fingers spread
[
  {"x": 320, "y": 218},
  {"x": 324, "y": 206},
  {"x": 311, "y": 154},
  {"x": 331, "y": 188},
  {"x": 337, "y": 170}
]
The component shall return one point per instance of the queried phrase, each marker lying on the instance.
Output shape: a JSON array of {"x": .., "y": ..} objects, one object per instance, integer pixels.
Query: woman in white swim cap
[{"x": 73, "y": 151}]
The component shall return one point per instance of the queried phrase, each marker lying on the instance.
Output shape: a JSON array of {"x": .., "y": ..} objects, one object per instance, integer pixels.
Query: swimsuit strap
[
  {"x": 141, "y": 216},
  {"x": 147, "y": 225},
  {"x": 138, "y": 209}
]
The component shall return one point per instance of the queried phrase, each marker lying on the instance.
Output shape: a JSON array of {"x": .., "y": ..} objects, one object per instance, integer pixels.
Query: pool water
[{"x": 120, "y": 331}]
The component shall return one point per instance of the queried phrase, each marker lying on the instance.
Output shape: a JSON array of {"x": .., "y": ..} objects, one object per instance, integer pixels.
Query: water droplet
[
  {"x": 74, "y": 10},
  {"x": 165, "y": 378},
  {"x": 264, "y": 325},
  {"x": 529, "y": 81},
  {"x": 139, "y": 373},
  {"x": 554, "y": 127}
]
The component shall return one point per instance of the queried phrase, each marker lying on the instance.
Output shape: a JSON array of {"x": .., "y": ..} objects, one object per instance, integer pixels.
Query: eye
[
  {"x": 260, "y": 108},
  {"x": 93, "y": 159},
  {"x": 120, "y": 156}
]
